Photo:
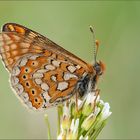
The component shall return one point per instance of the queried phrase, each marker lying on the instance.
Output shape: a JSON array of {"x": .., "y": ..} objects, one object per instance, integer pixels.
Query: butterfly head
[{"x": 99, "y": 67}]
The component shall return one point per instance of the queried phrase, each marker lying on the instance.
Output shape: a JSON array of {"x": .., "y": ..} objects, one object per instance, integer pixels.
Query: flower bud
[
  {"x": 89, "y": 105},
  {"x": 87, "y": 123}
]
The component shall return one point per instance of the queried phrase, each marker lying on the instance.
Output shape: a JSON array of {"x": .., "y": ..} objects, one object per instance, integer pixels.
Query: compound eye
[{"x": 98, "y": 69}]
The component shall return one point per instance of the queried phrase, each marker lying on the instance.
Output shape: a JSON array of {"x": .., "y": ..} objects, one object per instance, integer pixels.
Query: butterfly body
[{"x": 42, "y": 73}]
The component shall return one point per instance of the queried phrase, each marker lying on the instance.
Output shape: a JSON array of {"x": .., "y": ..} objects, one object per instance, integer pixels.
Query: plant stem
[
  {"x": 96, "y": 133},
  {"x": 59, "y": 112},
  {"x": 48, "y": 126}
]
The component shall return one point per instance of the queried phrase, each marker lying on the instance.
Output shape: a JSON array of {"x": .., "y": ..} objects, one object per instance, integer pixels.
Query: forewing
[
  {"x": 44, "y": 43},
  {"x": 13, "y": 46}
]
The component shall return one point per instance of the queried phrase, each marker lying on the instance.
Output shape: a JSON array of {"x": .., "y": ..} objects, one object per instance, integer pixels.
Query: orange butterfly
[{"x": 42, "y": 73}]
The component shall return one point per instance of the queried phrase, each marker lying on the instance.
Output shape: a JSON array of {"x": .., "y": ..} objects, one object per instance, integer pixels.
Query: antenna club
[
  {"x": 97, "y": 43},
  {"x": 91, "y": 29}
]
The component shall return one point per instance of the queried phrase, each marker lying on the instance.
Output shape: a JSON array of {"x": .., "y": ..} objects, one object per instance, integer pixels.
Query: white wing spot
[
  {"x": 46, "y": 96},
  {"x": 23, "y": 61},
  {"x": 78, "y": 67},
  {"x": 14, "y": 80},
  {"x": 53, "y": 78},
  {"x": 24, "y": 96},
  {"x": 38, "y": 81},
  {"x": 62, "y": 85},
  {"x": 34, "y": 57},
  {"x": 29, "y": 104},
  {"x": 49, "y": 67},
  {"x": 71, "y": 68},
  {"x": 44, "y": 86},
  {"x": 37, "y": 75},
  {"x": 18, "y": 88},
  {"x": 56, "y": 63},
  {"x": 67, "y": 76},
  {"x": 42, "y": 71},
  {"x": 16, "y": 71}
]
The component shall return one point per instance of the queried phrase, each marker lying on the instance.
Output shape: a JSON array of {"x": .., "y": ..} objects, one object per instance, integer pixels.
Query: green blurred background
[{"x": 117, "y": 26}]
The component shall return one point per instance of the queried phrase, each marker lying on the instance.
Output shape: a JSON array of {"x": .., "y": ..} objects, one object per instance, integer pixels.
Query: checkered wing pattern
[{"x": 42, "y": 73}]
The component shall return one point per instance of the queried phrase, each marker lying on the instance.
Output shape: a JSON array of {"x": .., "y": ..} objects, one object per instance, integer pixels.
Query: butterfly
[{"x": 42, "y": 73}]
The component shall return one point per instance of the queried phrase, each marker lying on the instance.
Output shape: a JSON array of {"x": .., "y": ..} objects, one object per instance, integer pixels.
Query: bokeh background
[{"x": 117, "y": 26}]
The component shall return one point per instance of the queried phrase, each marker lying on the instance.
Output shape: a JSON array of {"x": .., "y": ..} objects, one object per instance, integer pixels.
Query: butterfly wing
[
  {"x": 13, "y": 46},
  {"x": 42, "y": 73},
  {"x": 42, "y": 43}
]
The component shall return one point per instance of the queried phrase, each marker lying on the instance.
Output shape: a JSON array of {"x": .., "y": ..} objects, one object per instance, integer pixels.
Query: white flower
[
  {"x": 90, "y": 103},
  {"x": 75, "y": 128},
  {"x": 73, "y": 131},
  {"x": 86, "y": 121},
  {"x": 105, "y": 112},
  {"x": 90, "y": 98},
  {"x": 97, "y": 110}
]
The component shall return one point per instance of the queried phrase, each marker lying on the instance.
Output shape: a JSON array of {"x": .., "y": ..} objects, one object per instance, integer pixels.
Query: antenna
[{"x": 95, "y": 44}]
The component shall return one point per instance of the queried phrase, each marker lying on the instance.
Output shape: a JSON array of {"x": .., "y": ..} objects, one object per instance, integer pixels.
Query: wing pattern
[{"x": 43, "y": 74}]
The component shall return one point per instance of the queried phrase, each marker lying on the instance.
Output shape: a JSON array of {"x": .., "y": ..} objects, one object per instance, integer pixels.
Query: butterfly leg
[
  {"x": 76, "y": 101},
  {"x": 97, "y": 92}
]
